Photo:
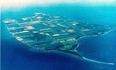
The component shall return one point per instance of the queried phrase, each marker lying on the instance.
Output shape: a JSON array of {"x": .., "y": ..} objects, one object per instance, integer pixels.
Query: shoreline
[{"x": 96, "y": 35}]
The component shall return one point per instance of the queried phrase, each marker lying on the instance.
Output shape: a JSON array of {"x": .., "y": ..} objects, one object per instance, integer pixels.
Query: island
[{"x": 53, "y": 33}]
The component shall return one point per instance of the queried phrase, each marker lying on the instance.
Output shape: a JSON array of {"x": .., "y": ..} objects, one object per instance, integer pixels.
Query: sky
[{"x": 8, "y": 3}]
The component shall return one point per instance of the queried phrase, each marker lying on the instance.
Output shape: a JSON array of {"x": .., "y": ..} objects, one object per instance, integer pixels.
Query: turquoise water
[{"x": 17, "y": 56}]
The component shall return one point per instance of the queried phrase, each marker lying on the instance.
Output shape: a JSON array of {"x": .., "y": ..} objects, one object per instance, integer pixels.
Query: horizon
[{"x": 22, "y": 3}]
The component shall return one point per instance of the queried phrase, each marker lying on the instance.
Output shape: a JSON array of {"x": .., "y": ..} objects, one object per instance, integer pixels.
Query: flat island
[{"x": 53, "y": 33}]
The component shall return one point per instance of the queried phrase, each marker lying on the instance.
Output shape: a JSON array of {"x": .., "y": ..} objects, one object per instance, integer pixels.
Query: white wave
[{"x": 98, "y": 61}]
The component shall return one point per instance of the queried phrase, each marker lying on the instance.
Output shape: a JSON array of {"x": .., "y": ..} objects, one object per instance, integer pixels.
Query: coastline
[{"x": 96, "y": 35}]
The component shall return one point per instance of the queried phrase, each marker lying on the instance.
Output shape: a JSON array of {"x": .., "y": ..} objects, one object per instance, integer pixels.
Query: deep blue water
[{"x": 17, "y": 56}]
